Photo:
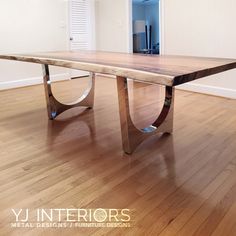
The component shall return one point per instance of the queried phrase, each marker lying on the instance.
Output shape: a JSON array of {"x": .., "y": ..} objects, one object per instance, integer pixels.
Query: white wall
[
  {"x": 202, "y": 28},
  {"x": 138, "y": 12},
  {"x": 30, "y": 26},
  {"x": 113, "y": 25}
]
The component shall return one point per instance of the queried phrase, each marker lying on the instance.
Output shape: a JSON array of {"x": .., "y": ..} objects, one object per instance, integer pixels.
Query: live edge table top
[{"x": 165, "y": 70}]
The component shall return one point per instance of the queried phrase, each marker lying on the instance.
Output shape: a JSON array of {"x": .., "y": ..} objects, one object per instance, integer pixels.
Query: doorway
[{"x": 145, "y": 26}]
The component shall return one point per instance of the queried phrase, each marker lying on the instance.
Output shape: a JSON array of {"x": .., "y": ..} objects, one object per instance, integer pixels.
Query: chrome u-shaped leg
[
  {"x": 132, "y": 136},
  {"x": 54, "y": 107}
]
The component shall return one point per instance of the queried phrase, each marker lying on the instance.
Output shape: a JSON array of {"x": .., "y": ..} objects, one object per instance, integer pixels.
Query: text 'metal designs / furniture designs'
[{"x": 163, "y": 70}]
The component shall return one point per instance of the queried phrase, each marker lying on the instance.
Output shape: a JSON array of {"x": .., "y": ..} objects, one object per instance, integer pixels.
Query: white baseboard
[
  {"x": 202, "y": 88},
  {"x": 31, "y": 81},
  {"x": 207, "y": 89},
  {"x": 193, "y": 87}
]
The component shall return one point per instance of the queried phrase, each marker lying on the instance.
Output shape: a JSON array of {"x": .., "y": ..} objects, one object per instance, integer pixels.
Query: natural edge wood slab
[{"x": 165, "y": 70}]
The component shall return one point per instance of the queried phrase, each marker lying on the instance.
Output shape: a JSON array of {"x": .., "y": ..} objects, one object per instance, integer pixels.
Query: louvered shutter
[
  {"x": 81, "y": 27},
  {"x": 79, "y": 24}
]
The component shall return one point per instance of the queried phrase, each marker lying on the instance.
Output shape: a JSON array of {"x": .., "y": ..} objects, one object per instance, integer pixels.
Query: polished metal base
[
  {"x": 132, "y": 136},
  {"x": 55, "y": 107}
]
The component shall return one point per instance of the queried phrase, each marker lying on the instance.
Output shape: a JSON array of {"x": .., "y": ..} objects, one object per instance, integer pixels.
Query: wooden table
[{"x": 164, "y": 70}]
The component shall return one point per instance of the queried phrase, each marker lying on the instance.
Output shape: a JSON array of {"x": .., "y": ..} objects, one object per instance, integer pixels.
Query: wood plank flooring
[{"x": 179, "y": 184}]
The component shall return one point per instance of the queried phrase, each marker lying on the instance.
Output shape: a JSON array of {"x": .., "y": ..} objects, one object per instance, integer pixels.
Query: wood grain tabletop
[{"x": 157, "y": 69}]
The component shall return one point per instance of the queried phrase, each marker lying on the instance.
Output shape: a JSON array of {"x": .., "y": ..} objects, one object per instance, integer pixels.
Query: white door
[{"x": 82, "y": 30}]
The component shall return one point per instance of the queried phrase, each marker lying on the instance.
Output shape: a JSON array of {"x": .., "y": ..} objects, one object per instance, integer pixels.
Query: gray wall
[{"x": 150, "y": 13}]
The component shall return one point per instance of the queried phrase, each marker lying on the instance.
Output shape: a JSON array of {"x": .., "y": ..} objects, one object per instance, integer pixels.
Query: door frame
[{"x": 161, "y": 25}]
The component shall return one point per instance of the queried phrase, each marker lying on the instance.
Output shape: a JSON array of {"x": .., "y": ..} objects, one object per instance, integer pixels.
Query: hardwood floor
[{"x": 180, "y": 184}]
